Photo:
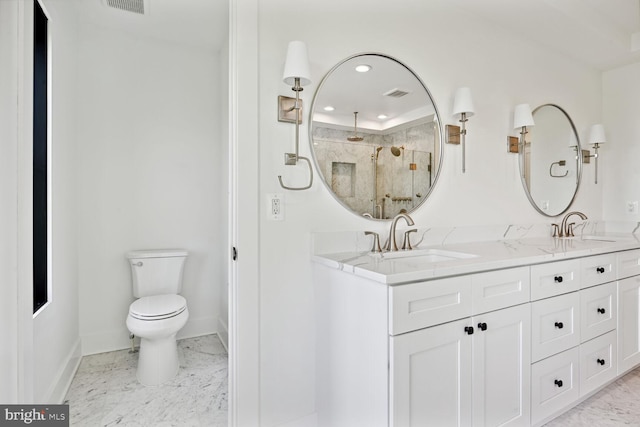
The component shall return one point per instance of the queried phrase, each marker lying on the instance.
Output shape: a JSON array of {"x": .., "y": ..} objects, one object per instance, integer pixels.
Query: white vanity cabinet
[
  {"x": 473, "y": 371},
  {"x": 512, "y": 346}
]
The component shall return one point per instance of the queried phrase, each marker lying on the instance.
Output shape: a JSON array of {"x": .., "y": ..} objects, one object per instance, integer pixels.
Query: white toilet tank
[{"x": 156, "y": 272}]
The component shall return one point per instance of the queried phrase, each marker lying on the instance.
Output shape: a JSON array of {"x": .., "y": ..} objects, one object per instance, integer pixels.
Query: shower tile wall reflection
[
  {"x": 105, "y": 392},
  {"x": 402, "y": 174}
]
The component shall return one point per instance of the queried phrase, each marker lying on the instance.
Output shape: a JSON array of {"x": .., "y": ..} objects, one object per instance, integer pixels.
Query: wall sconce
[
  {"x": 296, "y": 73},
  {"x": 462, "y": 108},
  {"x": 596, "y": 137},
  {"x": 522, "y": 118}
]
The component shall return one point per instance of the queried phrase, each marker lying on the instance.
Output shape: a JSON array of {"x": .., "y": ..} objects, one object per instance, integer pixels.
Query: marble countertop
[{"x": 486, "y": 256}]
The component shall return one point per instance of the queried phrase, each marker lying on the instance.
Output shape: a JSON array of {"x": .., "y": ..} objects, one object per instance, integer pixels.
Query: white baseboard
[
  {"x": 60, "y": 386},
  {"x": 118, "y": 340},
  {"x": 223, "y": 333},
  {"x": 308, "y": 421}
]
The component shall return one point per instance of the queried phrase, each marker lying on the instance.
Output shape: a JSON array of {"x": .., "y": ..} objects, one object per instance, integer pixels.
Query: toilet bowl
[
  {"x": 158, "y": 313},
  {"x": 156, "y": 325}
]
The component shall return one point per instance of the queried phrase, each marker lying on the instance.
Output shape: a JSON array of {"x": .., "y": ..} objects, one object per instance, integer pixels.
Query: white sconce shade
[
  {"x": 297, "y": 64},
  {"x": 462, "y": 102},
  {"x": 522, "y": 116},
  {"x": 597, "y": 136}
]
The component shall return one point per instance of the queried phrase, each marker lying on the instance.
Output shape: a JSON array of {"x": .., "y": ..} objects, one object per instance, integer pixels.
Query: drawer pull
[
  {"x": 601, "y": 362},
  {"x": 468, "y": 330},
  {"x": 558, "y": 279},
  {"x": 600, "y": 270},
  {"x": 559, "y": 325},
  {"x": 558, "y": 383},
  {"x": 602, "y": 310},
  {"x": 482, "y": 326}
]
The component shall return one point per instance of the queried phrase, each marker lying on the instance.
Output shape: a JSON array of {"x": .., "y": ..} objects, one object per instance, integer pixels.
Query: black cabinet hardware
[
  {"x": 602, "y": 310},
  {"x": 558, "y": 279},
  {"x": 558, "y": 383},
  {"x": 601, "y": 362},
  {"x": 559, "y": 325},
  {"x": 482, "y": 326},
  {"x": 600, "y": 270},
  {"x": 468, "y": 330}
]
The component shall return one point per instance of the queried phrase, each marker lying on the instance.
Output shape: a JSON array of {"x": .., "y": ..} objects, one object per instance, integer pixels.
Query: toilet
[{"x": 158, "y": 313}]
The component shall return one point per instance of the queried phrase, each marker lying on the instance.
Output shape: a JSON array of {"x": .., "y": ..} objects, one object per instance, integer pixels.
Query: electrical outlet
[
  {"x": 632, "y": 207},
  {"x": 275, "y": 207}
]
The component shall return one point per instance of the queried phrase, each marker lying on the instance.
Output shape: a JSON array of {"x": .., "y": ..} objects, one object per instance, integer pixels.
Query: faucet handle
[
  {"x": 555, "y": 229},
  {"x": 376, "y": 241},
  {"x": 406, "y": 244},
  {"x": 570, "y": 229}
]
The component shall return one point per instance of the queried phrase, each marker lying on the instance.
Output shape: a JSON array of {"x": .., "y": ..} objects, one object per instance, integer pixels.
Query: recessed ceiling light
[
  {"x": 363, "y": 68},
  {"x": 329, "y": 108},
  {"x": 382, "y": 116}
]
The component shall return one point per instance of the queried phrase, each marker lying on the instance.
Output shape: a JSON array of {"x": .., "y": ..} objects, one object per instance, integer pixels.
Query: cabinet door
[
  {"x": 628, "y": 323},
  {"x": 430, "y": 378},
  {"x": 501, "y": 367}
]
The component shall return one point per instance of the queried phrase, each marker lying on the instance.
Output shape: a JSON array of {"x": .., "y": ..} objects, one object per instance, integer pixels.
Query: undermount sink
[{"x": 425, "y": 255}]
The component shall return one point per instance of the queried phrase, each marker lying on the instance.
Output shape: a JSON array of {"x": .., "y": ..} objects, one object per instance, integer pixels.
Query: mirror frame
[
  {"x": 578, "y": 160},
  {"x": 437, "y": 117}
]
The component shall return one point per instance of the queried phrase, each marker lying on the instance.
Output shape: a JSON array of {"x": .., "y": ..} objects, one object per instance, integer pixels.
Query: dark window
[{"x": 40, "y": 76}]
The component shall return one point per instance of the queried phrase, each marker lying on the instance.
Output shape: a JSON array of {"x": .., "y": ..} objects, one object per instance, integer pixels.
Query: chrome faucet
[
  {"x": 566, "y": 230},
  {"x": 391, "y": 241}
]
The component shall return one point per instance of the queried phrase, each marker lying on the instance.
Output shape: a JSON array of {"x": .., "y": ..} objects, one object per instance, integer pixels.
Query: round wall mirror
[
  {"x": 375, "y": 136},
  {"x": 550, "y": 166}
]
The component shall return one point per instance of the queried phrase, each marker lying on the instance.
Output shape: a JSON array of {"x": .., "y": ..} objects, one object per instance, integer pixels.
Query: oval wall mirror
[
  {"x": 375, "y": 136},
  {"x": 550, "y": 166}
]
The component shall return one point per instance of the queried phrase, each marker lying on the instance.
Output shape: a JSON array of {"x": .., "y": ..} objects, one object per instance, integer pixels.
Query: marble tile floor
[
  {"x": 105, "y": 392},
  {"x": 618, "y": 404}
]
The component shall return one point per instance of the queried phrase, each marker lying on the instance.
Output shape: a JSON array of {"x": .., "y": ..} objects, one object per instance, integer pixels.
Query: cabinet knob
[
  {"x": 558, "y": 279},
  {"x": 482, "y": 326},
  {"x": 601, "y": 362},
  {"x": 468, "y": 330},
  {"x": 602, "y": 310},
  {"x": 558, "y": 383},
  {"x": 600, "y": 270},
  {"x": 559, "y": 325}
]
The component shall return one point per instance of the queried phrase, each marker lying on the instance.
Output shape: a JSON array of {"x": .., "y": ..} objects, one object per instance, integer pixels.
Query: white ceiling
[
  {"x": 195, "y": 22},
  {"x": 596, "y": 32}
]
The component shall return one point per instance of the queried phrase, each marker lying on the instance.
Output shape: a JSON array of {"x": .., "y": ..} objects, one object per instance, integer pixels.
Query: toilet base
[{"x": 158, "y": 360}]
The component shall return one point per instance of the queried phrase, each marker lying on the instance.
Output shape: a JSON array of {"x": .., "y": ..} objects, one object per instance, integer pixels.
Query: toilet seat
[{"x": 157, "y": 307}]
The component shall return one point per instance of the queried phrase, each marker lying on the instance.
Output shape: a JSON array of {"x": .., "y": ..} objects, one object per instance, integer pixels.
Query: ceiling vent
[
  {"x": 396, "y": 93},
  {"x": 135, "y": 6}
]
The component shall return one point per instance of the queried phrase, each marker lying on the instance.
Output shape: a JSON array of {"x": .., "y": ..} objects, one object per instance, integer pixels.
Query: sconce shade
[
  {"x": 522, "y": 116},
  {"x": 462, "y": 102},
  {"x": 596, "y": 136},
  {"x": 297, "y": 64}
]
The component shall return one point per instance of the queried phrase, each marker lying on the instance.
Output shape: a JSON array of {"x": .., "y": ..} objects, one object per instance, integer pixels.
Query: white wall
[
  {"x": 447, "y": 49},
  {"x": 8, "y": 206},
  {"x": 55, "y": 330},
  {"x": 619, "y": 162},
  {"x": 151, "y": 175}
]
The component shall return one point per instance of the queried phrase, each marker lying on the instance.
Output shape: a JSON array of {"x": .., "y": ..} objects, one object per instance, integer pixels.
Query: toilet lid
[{"x": 157, "y": 307}]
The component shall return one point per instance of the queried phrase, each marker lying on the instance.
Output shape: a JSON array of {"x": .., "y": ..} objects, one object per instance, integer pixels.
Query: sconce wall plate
[
  {"x": 512, "y": 144},
  {"x": 286, "y": 110},
  {"x": 453, "y": 134},
  {"x": 586, "y": 156}
]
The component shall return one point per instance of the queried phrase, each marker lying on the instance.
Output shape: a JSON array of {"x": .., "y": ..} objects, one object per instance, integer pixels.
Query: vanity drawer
[
  {"x": 554, "y": 278},
  {"x": 500, "y": 289},
  {"x": 596, "y": 270},
  {"x": 419, "y": 305},
  {"x": 555, "y": 325},
  {"x": 554, "y": 384},
  {"x": 628, "y": 263},
  {"x": 598, "y": 310},
  {"x": 597, "y": 362}
]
